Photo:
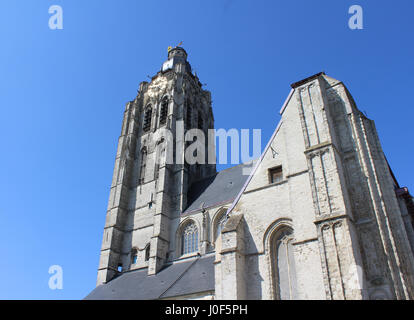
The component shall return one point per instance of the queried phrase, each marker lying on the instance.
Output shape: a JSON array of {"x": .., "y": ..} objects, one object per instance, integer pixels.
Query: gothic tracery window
[
  {"x": 189, "y": 239},
  {"x": 219, "y": 226},
  {"x": 147, "y": 118},
  {"x": 284, "y": 273}
]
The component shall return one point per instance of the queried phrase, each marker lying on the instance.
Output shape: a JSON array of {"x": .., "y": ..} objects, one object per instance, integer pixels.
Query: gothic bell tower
[{"x": 152, "y": 173}]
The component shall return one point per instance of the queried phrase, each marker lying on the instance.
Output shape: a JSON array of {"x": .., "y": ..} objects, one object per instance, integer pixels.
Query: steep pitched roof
[
  {"x": 258, "y": 162},
  {"x": 180, "y": 278},
  {"x": 222, "y": 187}
]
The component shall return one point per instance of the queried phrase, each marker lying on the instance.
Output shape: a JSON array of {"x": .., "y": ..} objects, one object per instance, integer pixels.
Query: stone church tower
[
  {"x": 319, "y": 215},
  {"x": 148, "y": 193}
]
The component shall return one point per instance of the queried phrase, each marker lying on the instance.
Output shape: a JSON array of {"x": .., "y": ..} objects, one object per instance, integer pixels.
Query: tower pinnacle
[{"x": 176, "y": 56}]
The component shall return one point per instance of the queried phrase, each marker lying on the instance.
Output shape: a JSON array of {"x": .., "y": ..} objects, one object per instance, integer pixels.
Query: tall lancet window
[
  {"x": 284, "y": 273},
  {"x": 147, "y": 118},
  {"x": 164, "y": 111},
  {"x": 189, "y": 239},
  {"x": 220, "y": 224},
  {"x": 143, "y": 165}
]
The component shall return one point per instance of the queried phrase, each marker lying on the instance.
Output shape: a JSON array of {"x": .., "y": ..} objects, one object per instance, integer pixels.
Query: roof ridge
[{"x": 303, "y": 81}]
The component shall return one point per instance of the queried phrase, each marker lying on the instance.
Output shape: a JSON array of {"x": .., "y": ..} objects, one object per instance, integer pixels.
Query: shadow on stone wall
[{"x": 253, "y": 278}]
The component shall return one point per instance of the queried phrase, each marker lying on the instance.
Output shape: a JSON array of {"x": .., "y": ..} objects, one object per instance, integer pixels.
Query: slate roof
[
  {"x": 183, "y": 277},
  {"x": 180, "y": 278},
  {"x": 223, "y": 187}
]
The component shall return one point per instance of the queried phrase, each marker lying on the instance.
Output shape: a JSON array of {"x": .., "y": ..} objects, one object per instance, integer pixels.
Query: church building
[{"x": 319, "y": 215}]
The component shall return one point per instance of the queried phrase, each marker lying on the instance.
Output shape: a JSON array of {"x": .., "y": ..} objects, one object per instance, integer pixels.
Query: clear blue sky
[{"x": 63, "y": 93}]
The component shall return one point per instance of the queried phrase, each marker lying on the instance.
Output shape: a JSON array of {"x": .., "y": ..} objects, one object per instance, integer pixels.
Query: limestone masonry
[{"x": 319, "y": 215}]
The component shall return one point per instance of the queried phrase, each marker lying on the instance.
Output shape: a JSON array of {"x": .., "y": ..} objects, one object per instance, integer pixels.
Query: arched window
[
  {"x": 147, "y": 252},
  {"x": 143, "y": 165},
  {"x": 189, "y": 239},
  {"x": 147, "y": 118},
  {"x": 164, "y": 111},
  {"x": 284, "y": 272},
  {"x": 219, "y": 226},
  {"x": 134, "y": 256}
]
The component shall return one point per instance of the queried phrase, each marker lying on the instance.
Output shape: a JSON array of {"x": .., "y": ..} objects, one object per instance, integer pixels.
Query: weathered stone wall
[
  {"x": 337, "y": 194},
  {"x": 145, "y": 210},
  {"x": 350, "y": 236}
]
